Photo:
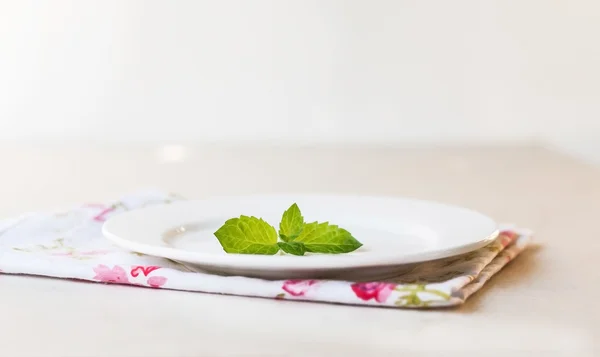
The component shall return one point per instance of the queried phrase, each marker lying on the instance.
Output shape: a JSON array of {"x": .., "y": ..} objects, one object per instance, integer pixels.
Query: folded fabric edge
[{"x": 496, "y": 265}]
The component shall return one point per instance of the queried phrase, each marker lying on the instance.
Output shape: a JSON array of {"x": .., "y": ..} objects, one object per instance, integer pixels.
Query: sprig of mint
[{"x": 251, "y": 235}]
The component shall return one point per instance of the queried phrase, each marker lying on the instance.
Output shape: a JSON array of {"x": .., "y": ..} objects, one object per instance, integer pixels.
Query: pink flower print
[
  {"x": 510, "y": 234},
  {"x": 157, "y": 281},
  {"x": 506, "y": 237},
  {"x": 135, "y": 271},
  {"x": 298, "y": 287},
  {"x": 153, "y": 281},
  {"x": 101, "y": 217},
  {"x": 378, "y": 291},
  {"x": 116, "y": 275}
]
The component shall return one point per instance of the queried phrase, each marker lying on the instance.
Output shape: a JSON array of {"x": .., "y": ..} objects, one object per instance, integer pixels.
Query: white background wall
[{"x": 399, "y": 71}]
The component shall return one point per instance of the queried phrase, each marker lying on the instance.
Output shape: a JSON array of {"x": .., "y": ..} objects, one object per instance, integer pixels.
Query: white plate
[{"x": 394, "y": 232}]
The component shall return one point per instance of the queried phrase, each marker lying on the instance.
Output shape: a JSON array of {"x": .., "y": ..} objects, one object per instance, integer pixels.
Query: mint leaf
[
  {"x": 252, "y": 235},
  {"x": 325, "y": 238},
  {"x": 291, "y": 224},
  {"x": 248, "y": 235},
  {"x": 294, "y": 248}
]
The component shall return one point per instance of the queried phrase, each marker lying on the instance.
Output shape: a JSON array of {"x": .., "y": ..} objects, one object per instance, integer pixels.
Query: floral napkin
[{"x": 70, "y": 245}]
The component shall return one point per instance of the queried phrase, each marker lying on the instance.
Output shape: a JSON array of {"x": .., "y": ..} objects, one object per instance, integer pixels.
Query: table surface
[{"x": 544, "y": 301}]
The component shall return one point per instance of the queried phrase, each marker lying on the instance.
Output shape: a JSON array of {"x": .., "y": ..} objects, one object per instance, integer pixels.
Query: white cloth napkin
[{"x": 70, "y": 245}]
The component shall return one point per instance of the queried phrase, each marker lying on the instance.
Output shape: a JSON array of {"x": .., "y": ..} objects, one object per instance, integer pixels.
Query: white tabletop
[{"x": 544, "y": 301}]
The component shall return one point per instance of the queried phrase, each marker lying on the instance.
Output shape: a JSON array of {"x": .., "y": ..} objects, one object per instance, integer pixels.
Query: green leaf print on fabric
[
  {"x": 412, "y": 298},
  {"x": 59, "y": 249}
]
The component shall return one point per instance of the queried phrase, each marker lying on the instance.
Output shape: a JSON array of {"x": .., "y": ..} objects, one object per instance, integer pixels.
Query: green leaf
[
  {"x": 326, "y": 238},
  {"x": 294, "y": 248},
  {"x": 248, "y": 235},
  {"x": 291, "y": 224}
]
